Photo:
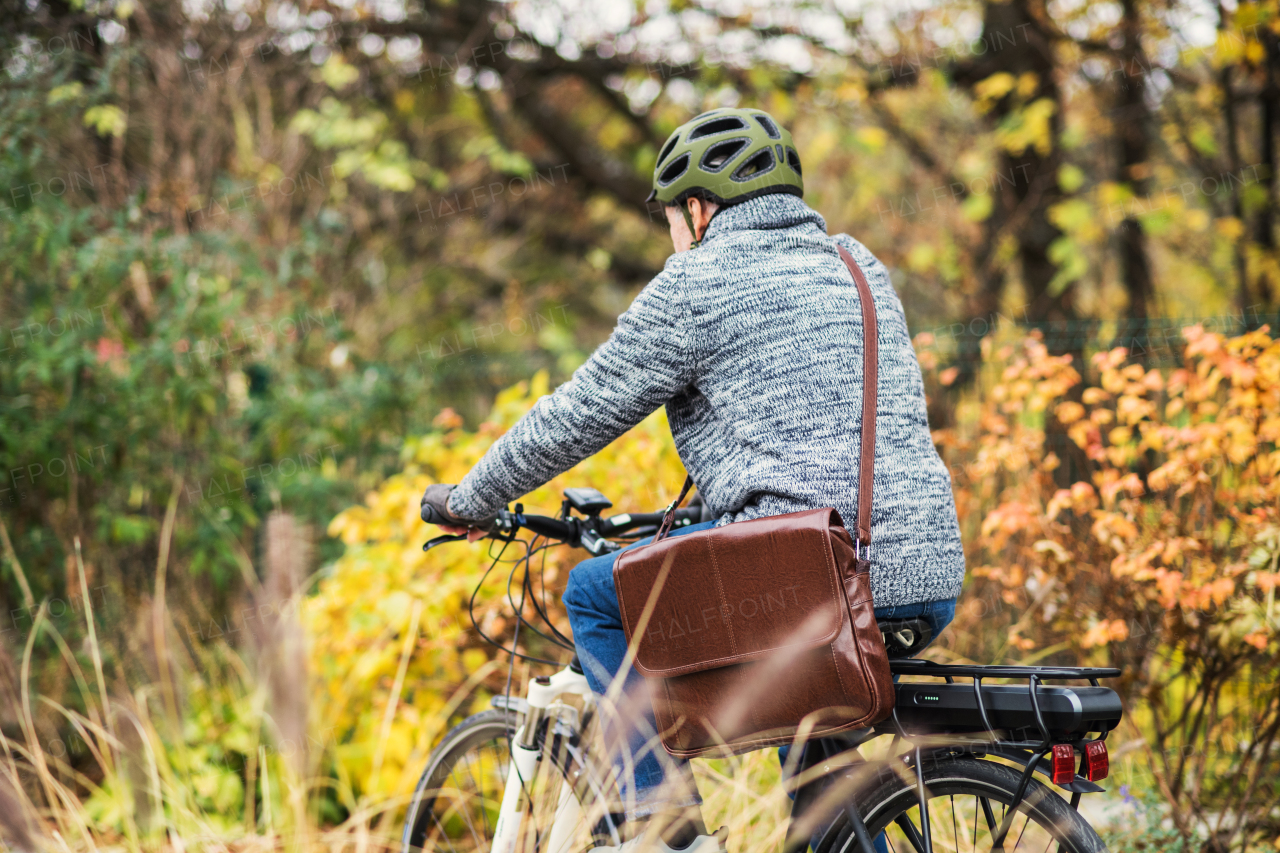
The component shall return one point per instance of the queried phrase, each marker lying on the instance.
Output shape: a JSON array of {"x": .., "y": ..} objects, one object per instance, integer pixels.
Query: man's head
[{"x": 719, "y": 158}]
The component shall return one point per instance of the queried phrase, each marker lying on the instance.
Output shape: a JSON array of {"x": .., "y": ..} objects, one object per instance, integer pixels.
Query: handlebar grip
[{"x": 432, "y": 516}]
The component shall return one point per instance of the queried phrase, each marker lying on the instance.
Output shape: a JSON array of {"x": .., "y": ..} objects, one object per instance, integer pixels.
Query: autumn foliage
[
  {"x": 390, "y": 625},
  {"x": 1156, "y": 553}
]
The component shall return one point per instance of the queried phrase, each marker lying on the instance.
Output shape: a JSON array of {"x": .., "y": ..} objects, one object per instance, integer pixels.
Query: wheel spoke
[
  {"x": 480, "y": 790},
  {"x": 1024, "y": 829},
  {"x": 1040, "y": 833},
  {"x": 955, "y": 829},
  {"x": 444, "y": 833},
  {"x": 463, "y": 810},
  {"x": 461, "y": 780}
]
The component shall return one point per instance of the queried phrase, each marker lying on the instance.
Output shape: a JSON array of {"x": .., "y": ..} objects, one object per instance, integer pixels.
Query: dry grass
[
  {"x": 145, "y": 789},
  {"x": 151, "y": 787}
]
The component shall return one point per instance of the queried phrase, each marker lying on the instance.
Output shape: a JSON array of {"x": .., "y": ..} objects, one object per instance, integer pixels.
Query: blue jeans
[
  {"x": 592, "y": 603},
  {"x": 939, "y": 615}
]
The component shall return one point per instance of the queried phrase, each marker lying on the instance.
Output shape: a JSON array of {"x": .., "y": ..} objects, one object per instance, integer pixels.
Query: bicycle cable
[
  {"x": 527, "y": 590},
  {"x": 542, "y": 576},
  {"x": 541, "y": 609},
  {"x": 471, "y": 612}
]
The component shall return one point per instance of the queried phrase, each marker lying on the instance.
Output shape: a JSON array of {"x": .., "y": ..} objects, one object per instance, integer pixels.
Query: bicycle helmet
[{"x": 727, "y": 156}]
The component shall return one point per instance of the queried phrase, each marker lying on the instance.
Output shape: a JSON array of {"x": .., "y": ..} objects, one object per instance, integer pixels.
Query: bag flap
[{"x": 731, "y": 594}]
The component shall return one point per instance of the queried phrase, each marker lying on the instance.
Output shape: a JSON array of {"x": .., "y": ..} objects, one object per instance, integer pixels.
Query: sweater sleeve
[{"x": 645, "y": 362}]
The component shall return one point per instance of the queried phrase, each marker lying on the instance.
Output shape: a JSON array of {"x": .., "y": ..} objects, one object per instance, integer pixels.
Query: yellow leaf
[
  {"x": 337, "y": 73},
  {"x": 872, "y": 138},
  {"x": 1052, "y": 548},
  {"x": 1229, "y": 227},
  {"x": 106, "y": 119},
  {"x": 1196, "y": 219},
  {"x": 996, "y": 86},
  {"x": 1094, "y": 396},
  {"x": 67, "y": 92},
  {"x": 1069, "y": 412}
]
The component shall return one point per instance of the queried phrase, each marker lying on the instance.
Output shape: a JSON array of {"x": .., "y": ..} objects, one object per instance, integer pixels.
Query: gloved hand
[{"x": 435, "y": 510}]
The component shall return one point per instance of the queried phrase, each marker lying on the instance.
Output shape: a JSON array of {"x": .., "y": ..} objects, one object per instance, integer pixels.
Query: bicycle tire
[
  {"x": 487, "y": 727},
  {"x": 889, "y": 798}
]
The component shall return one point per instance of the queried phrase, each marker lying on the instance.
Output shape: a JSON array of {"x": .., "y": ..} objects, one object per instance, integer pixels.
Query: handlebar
[
  {"x": 543, "y": 525},
  {"x": 592, "y": 533}
]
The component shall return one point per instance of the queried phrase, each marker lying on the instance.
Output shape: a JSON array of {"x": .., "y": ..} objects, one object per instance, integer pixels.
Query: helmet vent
[
  {"x": 758, "y": 165},
  {"x": 793, "y": 160},
  {"x": 721, "y": 154},
  {"x": 719, "y": 125},
  {"x": 677, "y": 168},
  {"x": 666, "y": 151},
  {"x": 769, "y": 127}
]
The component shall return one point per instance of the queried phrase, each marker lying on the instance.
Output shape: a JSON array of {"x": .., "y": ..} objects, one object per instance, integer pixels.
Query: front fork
[
  {"x": 526, "y": 751},
  {"x": 524, "y": 763}
]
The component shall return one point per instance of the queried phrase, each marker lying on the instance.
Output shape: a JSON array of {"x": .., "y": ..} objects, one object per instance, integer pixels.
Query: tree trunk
[
  {"x": 1232, "y": 125},
  {"x": 1264, "y": 227},
  {"x": 1132, "y": 121},
  {"x": 1018, "y": 45}
]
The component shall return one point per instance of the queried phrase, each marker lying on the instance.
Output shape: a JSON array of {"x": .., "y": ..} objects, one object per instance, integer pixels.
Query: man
[{"x": 752, "y": 338}]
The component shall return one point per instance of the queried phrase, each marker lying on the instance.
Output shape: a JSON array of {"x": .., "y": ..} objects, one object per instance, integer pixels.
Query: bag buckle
[
  {"x": 669, "y": 514},
  {"x": 862, "y": 551}
]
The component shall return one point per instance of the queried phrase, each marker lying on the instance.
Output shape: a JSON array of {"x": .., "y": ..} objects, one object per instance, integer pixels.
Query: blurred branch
[
  {"x": 525, "y": 81},
  {"x": 620, "y": 105},
  {"x": 580, "y": 152},
  {"x": 914, "y": 147}
]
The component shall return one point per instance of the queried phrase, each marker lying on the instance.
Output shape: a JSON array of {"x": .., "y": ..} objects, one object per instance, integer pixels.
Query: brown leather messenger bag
[{"x": 762, "y": 631}]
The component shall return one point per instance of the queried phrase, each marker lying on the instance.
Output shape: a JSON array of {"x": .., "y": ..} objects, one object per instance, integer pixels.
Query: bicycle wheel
[
  {"x": 455, "y": 805},
  {"x": 968, "y": 799}
]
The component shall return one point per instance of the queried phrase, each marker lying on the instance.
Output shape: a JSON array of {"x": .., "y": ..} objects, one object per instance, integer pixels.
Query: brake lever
[{"x": 440, "y": 540}]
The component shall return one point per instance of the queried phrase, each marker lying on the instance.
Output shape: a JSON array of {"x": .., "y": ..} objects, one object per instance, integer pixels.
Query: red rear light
[
  {"x": 1064, "y": 763},
  {"x": 1096, "y": 763}
]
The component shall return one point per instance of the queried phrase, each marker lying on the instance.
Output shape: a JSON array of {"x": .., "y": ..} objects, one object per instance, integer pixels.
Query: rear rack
[
  {"x": 1035, "y": 675},
  {"x": 1030, "y": 753},
  {"x": 915, "y": 666}
]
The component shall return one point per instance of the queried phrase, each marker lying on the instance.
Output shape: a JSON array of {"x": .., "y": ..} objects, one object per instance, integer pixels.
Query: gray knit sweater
[{"x": 753, "y": 342}]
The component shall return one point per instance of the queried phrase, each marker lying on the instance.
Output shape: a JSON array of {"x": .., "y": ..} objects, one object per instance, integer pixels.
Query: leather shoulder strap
[
  {"x": 669, "y": 516},
  {"x": 870, "y": 378}
]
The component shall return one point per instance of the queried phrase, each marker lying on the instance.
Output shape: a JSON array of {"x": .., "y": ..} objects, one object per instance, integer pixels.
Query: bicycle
[{"x": 541, "y": 788}]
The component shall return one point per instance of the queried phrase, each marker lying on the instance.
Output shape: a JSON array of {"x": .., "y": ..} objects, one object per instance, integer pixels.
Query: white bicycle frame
[{"x": 544, "y": 701}]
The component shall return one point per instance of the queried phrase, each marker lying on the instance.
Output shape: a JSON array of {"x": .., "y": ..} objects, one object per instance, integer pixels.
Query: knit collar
[{"x": 776, "y": 210}]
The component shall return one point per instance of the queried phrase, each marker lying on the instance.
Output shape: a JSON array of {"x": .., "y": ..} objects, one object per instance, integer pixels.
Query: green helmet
[{"x": 727, "y": 156}]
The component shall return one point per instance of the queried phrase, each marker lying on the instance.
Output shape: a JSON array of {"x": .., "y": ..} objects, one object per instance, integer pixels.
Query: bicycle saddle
[{"x": 903, "y": 638}]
